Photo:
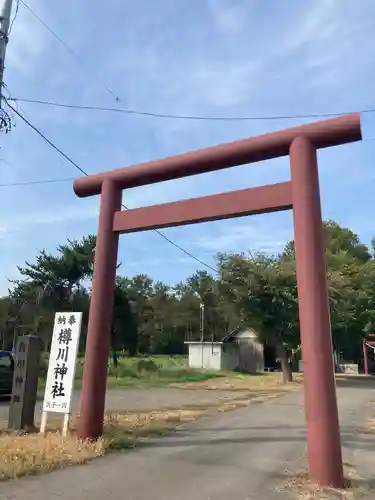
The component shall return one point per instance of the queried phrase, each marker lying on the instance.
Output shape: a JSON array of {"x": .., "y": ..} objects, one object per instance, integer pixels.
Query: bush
[
  {"x": 122, "y": 371},
  {"x": 146, "y": 365}
]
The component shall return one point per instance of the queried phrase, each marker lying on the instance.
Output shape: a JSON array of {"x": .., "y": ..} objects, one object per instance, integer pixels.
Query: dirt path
[{"x": 146, "y": 399}]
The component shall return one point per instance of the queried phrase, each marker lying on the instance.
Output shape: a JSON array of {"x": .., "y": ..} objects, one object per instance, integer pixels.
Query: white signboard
[{"x": 62, "y": 362}]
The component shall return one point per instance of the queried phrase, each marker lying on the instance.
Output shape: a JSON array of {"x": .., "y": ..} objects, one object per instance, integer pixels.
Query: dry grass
[
  {"x": 133, "y": 425},
  {"x": 300, "y": 486},
  {"x": 21, "y": 455},
  {"x": 29, "y": 453},
  {"x": 272, "y": 381}
]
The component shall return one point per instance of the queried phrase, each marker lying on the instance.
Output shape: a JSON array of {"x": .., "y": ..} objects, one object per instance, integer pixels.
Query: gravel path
[{"x": 145, "y": 399}]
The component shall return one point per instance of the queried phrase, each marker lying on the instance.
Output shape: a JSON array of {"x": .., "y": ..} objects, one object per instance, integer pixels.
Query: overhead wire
[
  {"x": 14, "y": 17},
  {"x": 82, "y": 171},
  {"x": 68, "y": 158},
  {"x": 185, "y": 117},
  {"x": 6, "y": 162},
  {"x": 78, "y": 58},
  {"x": 125, "y": 109},
  {"x": 33, "y": 183},
  {"x": 141, "y": 113}
]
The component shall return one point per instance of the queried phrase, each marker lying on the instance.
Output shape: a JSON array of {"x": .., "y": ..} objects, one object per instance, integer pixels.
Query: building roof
[
  {"x": 229, "y": 336},
  {"x": 233, "y": 334},
  {"x": 204, "y": 342}
]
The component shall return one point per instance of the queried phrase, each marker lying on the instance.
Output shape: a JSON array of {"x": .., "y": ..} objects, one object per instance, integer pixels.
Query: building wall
[
  {"x": 251, "y": 352},
  {"x": 229, "y": 356},
  {"x": 250, "y": 356},
  {"x": 244, "y": 353},
  {"x": 348, "y": 368},
  {"x": 205, "y": 355}
]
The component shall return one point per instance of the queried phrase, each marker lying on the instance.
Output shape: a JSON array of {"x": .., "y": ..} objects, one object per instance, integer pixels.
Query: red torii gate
[{"x": 300, "y": 194}]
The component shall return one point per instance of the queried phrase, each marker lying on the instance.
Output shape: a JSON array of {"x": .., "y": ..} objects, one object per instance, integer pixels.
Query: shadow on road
[
  {"x": 359, "y": 381},
  {"x": 350, "y": 437}
]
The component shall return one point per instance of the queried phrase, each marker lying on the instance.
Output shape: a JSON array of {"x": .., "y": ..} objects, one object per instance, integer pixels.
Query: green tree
[
  {"x": 350, "y": 272},
  {"x": 264, "y": 292},
  {"x": 148, "y": 317},
  {"x": 50, "y": 284},
  {"x": 124, "y": 331},
  {"x": 138, "y": 291}
]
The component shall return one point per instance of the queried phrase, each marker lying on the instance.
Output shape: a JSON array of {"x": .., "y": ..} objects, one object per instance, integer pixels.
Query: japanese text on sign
[
  {"x": 62, "y": 362},
  {"x": 19, "y": 372}
]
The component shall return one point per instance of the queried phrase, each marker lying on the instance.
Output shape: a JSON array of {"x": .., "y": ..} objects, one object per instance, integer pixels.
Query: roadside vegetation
[{"x": 141, "y": 372}]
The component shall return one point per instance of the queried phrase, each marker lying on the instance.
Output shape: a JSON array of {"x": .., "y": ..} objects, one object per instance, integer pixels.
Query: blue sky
[{"x": 208, "y": 57}]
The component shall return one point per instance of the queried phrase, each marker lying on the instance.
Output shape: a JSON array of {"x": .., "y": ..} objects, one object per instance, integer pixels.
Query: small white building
[
  {"x": 212, "y": 355},
  {"x": 239, "y": 350}
]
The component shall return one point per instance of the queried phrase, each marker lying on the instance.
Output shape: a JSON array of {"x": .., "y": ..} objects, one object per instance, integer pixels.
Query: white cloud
[
  {"x": 48, "y": 217},
  {"x": 27, "y": 41},
  {"x": 85, "y": 210},
  {"x": 222, "y": 57},
  {"x": 245, "y": 237},
  {"x": 222, "y": 83},
  {"x": 230, "y": 15},
  {"x": 318, "y": 23},
  {"x": 327, "y": 32},
  {"x": 155, "y": 262}
]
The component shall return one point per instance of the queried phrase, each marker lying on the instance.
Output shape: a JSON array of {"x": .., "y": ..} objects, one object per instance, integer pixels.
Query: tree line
[{"x": 257, "y": 290}]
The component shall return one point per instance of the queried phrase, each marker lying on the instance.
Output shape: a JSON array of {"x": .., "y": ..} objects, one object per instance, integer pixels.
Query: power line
[
  {"x": 81, "y": 60},
  {"x": 51, "y": 144},
  {"x": 66, "y": 179},
  {"x": 182, "y": 116},
  {"x": 14, "y": 17},
  {"x": 6, "y": 162},
  {"x": 78, "y": 58},
  {"x": 32, "y": 183},
  {"x": 70, "y": 160}
]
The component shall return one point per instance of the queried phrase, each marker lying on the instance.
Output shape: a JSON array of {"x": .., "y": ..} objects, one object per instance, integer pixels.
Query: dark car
[{"x": 6, "y": 372}]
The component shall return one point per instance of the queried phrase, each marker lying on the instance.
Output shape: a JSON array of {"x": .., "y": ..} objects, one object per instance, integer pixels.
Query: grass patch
[
  {"x": 301, "y": 487},
  {"x": 163, "y": 371},
  {"x": 160, "y": 378},
  {"x": 142, "y": 372}
]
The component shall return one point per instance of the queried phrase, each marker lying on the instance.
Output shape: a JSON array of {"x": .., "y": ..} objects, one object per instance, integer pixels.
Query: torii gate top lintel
[{"x": 322, "y": 134}]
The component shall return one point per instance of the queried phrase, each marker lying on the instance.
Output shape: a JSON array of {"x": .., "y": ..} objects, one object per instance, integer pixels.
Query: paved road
[
  {"x": 145, "y": 399},
  {"x": 239, "y": 455}
]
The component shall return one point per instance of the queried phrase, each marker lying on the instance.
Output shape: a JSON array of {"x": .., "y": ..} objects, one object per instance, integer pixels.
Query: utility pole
[
  {"x": 5, "y": 13},
  {"x": 202, "y": 321}
]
